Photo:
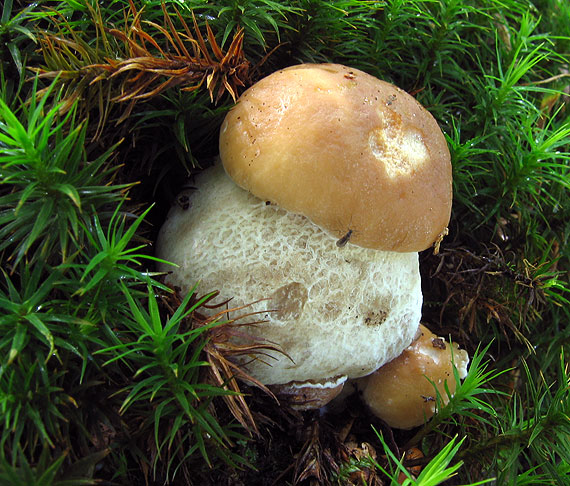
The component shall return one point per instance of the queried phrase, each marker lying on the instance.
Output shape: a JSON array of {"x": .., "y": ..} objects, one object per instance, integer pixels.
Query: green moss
[{"x": 101, "y": 370}]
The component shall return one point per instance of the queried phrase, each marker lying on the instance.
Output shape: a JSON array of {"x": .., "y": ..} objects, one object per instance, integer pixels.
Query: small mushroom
[
  {"x": 400, "y": 392},
  {"x": 341, "y": 180}
]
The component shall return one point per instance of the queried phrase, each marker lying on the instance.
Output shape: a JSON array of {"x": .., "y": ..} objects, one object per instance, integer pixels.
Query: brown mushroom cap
[
  {"x": 348, "y": 151},
  {"x": 399, "y": 392}
]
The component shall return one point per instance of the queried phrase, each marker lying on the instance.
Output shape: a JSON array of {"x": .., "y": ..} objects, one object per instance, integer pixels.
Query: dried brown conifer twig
[
  {"x": 226, "y": 342},
  {"x": 144, "y": 67},
  {"x": 180, "y": 66}
]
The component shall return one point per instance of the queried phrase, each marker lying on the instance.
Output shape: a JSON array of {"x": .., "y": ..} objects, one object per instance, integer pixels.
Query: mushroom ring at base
[{"x": 334, "y": 312}]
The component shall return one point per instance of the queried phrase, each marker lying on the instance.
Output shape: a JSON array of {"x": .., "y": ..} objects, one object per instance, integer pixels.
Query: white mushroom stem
[{"x": 333, "y": 311}]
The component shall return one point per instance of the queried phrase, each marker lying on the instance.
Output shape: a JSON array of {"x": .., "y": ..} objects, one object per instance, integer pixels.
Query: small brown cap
[
  {"x": 400, "y": 392},
  {"x": 350, "y": 152}
]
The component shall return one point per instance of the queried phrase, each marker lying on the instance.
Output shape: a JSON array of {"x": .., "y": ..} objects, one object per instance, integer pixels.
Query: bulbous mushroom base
[{"x": 332, "y": 310}]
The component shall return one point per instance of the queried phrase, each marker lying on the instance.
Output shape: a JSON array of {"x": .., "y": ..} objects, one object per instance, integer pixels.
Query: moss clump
[{"x": 103, "y": 370}]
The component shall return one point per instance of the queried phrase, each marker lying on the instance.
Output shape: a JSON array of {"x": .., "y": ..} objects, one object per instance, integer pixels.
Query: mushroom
[
  {"x": 341, "y": 180},
  {"x": 402, "y": 391}
]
